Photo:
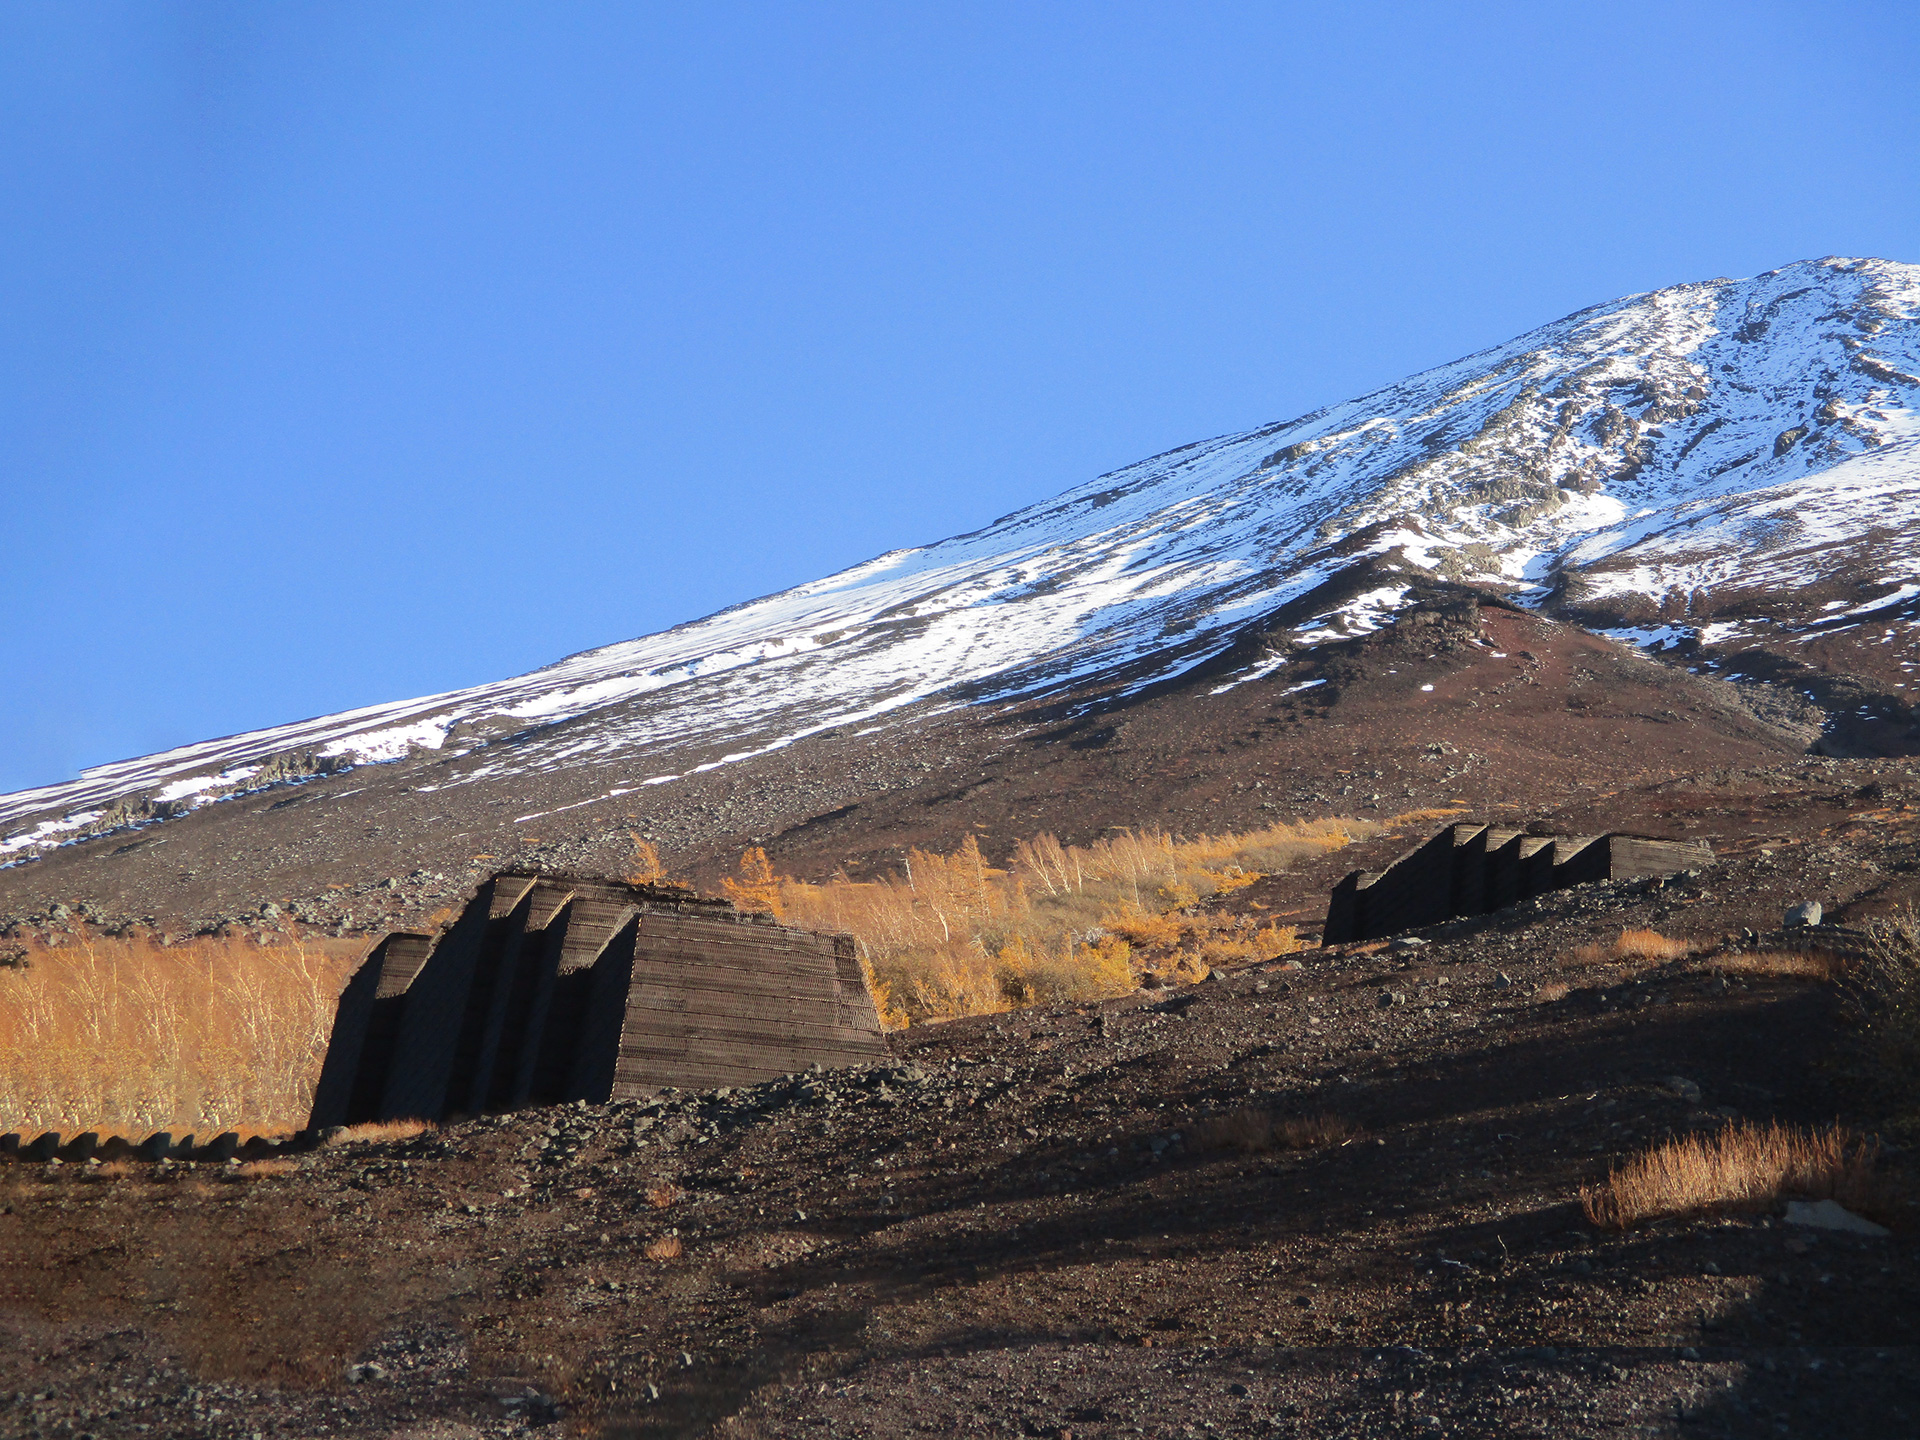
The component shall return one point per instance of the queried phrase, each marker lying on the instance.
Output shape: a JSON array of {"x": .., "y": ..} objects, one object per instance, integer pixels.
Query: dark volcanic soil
[{"x": 1013, "y": 1229}]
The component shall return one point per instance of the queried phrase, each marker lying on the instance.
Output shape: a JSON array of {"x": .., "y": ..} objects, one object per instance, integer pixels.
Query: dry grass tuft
[
  {"x": 1553, "y": 990},
  {"x": 664, "y": 1195},
  {"x": 1254, "y": 1131},
  {"x": 111, "y": 1170},
  {"x": 1313, "y": 1131},
  {"x": 264, "y": 1169},
  {"x": 1742, "y": 1167},
  {"x": 1632, "y": 946},
  {"x": 1247, "y": 1130},
  {"x": 1421, "y": 817},
  {"x": 127, "y": 1035},
  {"x": 667, "y": 1247},
  {"x": 375, "y": 1132},
  {"x": 1779, "y": 964}
]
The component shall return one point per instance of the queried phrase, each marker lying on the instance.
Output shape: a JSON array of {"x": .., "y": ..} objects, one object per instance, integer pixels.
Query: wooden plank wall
[
  {"x": 1417, "y": 889},
  {"x": 717, "y": 1002},
  {"x": 596, "y": 1045}
]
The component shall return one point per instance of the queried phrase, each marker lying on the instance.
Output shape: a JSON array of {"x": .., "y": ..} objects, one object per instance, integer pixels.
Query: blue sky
[{"x": 353, "y": 351}]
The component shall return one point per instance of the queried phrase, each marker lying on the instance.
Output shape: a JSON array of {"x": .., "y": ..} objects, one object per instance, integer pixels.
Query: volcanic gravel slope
[
  {"x": 1457, "y": 703},
  {"x": 1010, "y": 1228},
  {"x": 1727, "y": 471}
]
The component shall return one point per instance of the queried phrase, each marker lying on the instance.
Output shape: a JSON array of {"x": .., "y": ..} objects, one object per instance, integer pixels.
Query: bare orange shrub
[
  {"x": 1743, "y": 1166},
  {"x": 127, "y": 1035},
  {"x": 663, "y": 1195},
  {"x": 1144, "y": 927}
]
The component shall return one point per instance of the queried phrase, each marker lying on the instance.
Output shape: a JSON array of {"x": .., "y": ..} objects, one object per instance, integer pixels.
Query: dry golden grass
[
  {"x": 1633, "y": 947},
  {"x": 1313, "y": 1131},
  {"x": 374, "y": 1132},
  {"x": 663, "y": 1195},
  {"x": 1553, "y": 990},
  {"x": 128, "y": 1036},
  {"x": 1254, "y": 1131},
  {"x": 1741, "y": 1167},
  {"x": 111, "y": 1170},
  {"x": 667, "y": 1247},
  {"x": 264, "y": 1169},
  {"x": 955, "y": 935},
  {"x": 1779, "y": 964},
  {"x": 1421, "y": 817}
]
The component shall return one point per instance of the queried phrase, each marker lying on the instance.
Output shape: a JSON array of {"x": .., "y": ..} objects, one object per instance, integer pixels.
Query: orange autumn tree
[
  {"x": 758, "y": 888},
  {"x": 645, "y": 867}
]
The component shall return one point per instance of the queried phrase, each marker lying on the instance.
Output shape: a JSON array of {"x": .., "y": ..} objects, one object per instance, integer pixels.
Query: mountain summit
[{"x": 1726, "y": 471}]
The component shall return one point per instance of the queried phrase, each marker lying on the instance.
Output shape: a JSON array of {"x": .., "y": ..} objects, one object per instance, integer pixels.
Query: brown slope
[
  {"x": 1523, "y": 716},
  {"x": 1484, "y": 707}
]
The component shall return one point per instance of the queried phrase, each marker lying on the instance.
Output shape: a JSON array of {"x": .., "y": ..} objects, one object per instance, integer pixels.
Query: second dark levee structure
[{"x": 1476, "y": 869}]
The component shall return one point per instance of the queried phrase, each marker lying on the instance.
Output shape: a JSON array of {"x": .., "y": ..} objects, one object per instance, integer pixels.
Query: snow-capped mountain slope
[{"x": 1664, "y": 464}]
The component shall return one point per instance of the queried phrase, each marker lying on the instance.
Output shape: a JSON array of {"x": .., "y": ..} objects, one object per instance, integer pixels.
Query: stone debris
[{"x": 1831, "y": 1215}]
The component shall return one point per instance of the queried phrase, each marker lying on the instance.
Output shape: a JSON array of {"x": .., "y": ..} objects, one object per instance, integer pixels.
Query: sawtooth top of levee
[{"x": 1472, "y": 869}]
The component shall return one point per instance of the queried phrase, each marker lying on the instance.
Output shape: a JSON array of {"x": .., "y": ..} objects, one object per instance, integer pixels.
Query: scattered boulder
[
  {"x": 1831, "y": 1215},
  {"x": 1807, "y": 912}
]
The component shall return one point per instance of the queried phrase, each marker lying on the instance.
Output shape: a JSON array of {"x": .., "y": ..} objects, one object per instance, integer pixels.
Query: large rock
[{"x": 1831, "y": 1215}]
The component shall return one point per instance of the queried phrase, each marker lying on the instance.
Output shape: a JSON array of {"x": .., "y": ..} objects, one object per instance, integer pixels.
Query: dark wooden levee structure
[
  {"x": 1477, "y": 869},
  {"x": 551, "y": 988}
]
